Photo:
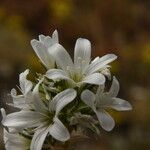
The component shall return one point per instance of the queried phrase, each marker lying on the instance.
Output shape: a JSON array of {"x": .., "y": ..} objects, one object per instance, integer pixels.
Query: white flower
[
  {"x": 41, "y": 48},
  {"x": 83, "y": 70},
  {"x": 14, "y": 141},
  {"x": 22, "y": 101},
  {"x": 45, "y": 119},
  {"x": 103, "y": 100}
]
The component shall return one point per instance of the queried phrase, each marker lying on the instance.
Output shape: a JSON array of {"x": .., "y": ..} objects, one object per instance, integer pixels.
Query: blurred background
[{"x": 113, "y": 26}]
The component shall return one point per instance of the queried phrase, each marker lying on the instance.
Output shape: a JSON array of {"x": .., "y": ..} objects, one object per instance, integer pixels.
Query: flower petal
[
  {"x": 95, "y": 59},
  {"x": 3, "y": 112},
  {"x": 23, "y": 119},
  {"x": 62, "y": 99},
  {"x": 57, "y": 74},
  {"x": 48, "y": 42},
  {"x": 39, "y": 138},
  {"x": 25, "y": 84},
  {"x": 15, "y": 141},
  {"x": 41, "y": 38},
  {"x": 114, "y": 89},
  {"x": 82, "y": 53},
  {"x": 88, "y": 98},
  {"x": 61, "y": 56},
  {"x": 106, "y": 72},
  {"x": 107, "y": 58},
  {"x": 55, "y": 37},
  {"x": 100, "y": 63},
  {"x": 20, "y": 101},
  {"x": 59, "y": 131},
  {"x": 120, "y": 104},
  {"x": 95, "y": 78},
  {"x": 39, "y": 106},
  {"x": 42, "y": 52},
  {"x": 106, "y": 121}
]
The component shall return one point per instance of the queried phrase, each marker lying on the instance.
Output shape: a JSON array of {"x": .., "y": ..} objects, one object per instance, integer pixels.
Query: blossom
[
  {"x": 22, "y": 101},
  {"x": 103, "y": 100},
  {"x": 83, "y": 70},
  {"x": 41, "y": 48},
  {"x": 12, "y": 139},
  {"x": 44, "y": 118},
  {"x": 15, "y": 141}
]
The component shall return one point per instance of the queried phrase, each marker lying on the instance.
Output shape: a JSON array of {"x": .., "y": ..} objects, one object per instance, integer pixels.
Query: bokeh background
[{"x": 113, "y": 26}]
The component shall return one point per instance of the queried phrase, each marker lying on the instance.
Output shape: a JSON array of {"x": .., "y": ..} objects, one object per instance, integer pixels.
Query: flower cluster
[{"x": 70, "y": 97}]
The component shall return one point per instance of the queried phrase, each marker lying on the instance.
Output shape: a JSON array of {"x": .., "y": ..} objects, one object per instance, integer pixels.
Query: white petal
[
  {"x": 61, "y": 56},
  {"x": 95, "y": 78},
  {"x": 59, "y": 131},
  {"x": 41, "y": 38},
  {"x": 25, "y": 84},
  {"x": 82, "y": 53},
  {"x": 107, "y": 58},
  {"x": 88, "y": 98},
  {"x": 42, "y": 52},
  {"x": 95, "y": 59},
  {"x": 10, "y": 146},
  {"x": 100, "y": 90},
  {"x": 48, "y": 42},
  {"x": 39, "y": 138},
  {"x": 15, "y": 141},
  {"x": 106, "y": 72},
  {"x": 98, "y": 64},
  {"x": 62, "y": 99},
  {"x": 3, "y": 112},
  {"x": 20, "y": 101},
  {"x": 114, "y": 89},
  {"x": 23, "y": 119},
  {"x": 57, "y": 74},
  {"x": 6, "y": 136},
  {"x": 38, "y": 103},
  {"x": 106, "y": 121},
  {"x": 55, "y": 36},
  {"x": 120, "y": 104}
]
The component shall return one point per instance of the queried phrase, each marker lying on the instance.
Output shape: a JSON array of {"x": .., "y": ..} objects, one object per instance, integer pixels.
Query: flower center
[
  {"x": 49, "y": 117},
  {"x": 75, "y": 73}
]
